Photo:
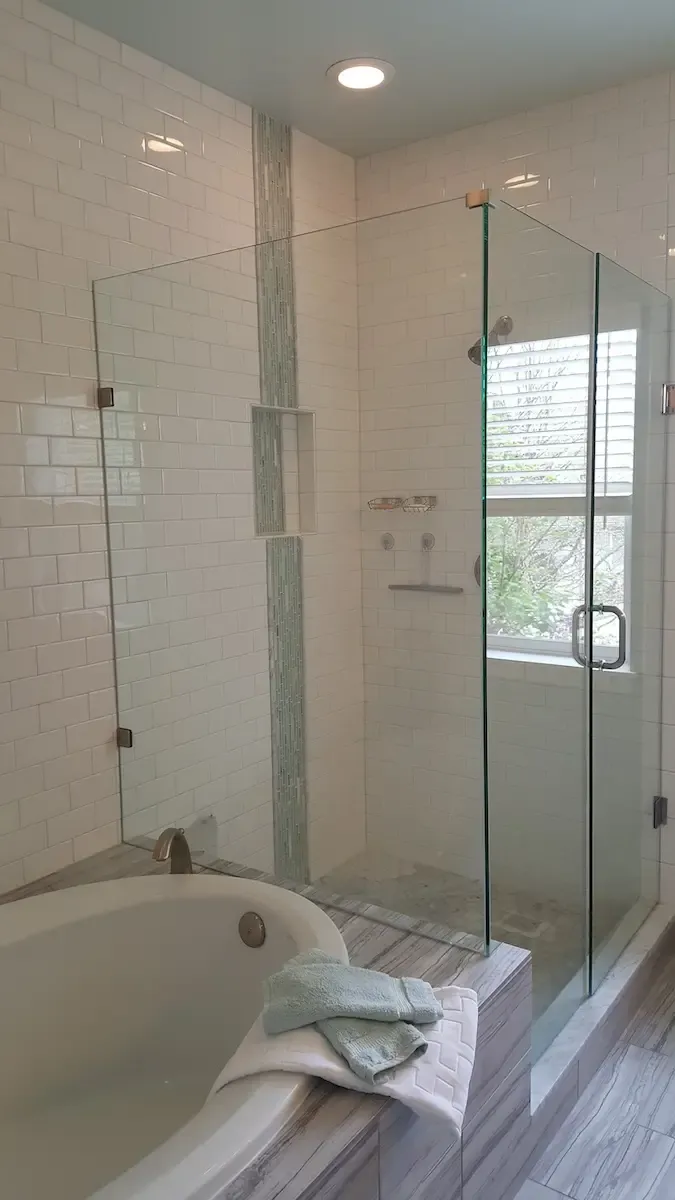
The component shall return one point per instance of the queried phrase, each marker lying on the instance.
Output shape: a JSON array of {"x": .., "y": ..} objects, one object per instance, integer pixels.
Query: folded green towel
[
  {"x": 367, "y": 1017},
  {"x": 315, "y": 986},
  {"x": 373, "y": 1049}
]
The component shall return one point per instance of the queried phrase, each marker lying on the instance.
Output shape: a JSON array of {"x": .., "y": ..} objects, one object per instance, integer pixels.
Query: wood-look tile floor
[{"x": 619, "y": 1141}]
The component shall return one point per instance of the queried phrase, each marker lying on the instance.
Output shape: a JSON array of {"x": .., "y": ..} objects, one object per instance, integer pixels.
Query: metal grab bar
[{"x": 439, "y": 588}]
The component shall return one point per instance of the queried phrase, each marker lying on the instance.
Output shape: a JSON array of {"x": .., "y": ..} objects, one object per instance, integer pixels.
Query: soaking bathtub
[{"x": 119, "y": 1004}]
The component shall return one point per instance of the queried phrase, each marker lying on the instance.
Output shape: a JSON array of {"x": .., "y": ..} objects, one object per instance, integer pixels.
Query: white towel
[{"x": 435, "y": 1084}]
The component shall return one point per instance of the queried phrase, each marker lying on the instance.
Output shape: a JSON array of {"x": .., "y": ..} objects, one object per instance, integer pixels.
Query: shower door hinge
[
  {"x": 125, "y": 738},
  {"x": 478, "y": 198},
  {"x": 660, "y": 811},
  {"x": 668, "y": 399},
  {"x": 105, "y": 397}
]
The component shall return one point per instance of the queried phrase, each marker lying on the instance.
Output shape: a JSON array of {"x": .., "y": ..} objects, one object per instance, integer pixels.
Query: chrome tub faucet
[{"x": 172, "y": 843}]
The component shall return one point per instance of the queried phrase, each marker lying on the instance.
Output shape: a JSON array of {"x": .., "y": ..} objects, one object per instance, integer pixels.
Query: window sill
[{"x": 549, "y": 660}]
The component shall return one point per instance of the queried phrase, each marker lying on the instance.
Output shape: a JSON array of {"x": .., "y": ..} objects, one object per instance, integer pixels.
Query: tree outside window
[{"x": 537, "y": 437}]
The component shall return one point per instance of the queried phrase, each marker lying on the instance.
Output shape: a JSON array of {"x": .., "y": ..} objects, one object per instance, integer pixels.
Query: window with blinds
[
  {"x": 615, "y": 389},
  {"x": 537, "y": 438},
  {"x": 537, "y": 415}
]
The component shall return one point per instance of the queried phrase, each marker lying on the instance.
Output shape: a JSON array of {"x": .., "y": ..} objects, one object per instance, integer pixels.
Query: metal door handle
[
  {"x": 621, "y": 657},
  {"x": 580, "y": 656},
  {"x": 576, "y": 651}
]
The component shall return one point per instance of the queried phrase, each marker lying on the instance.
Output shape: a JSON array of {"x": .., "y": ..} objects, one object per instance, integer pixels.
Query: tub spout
[{"x": 172, "y": 843}]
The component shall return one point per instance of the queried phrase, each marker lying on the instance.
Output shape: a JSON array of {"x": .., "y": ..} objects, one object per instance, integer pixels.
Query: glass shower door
[
  {"x": 628, "y": 540},
  {"x": 538, "y": 378},
  {"x": 575, "y": 354}
]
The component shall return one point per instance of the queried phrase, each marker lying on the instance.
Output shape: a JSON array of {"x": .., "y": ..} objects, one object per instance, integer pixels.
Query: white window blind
[
  {"x": 537, "y": 415},
  {"x": 616, "y": 386}
]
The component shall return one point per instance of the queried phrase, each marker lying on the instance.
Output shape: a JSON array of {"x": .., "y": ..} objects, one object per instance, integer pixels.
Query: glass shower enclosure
[
  {"x": 385, "y": 515},
  {"x": 574, "y": 485}
]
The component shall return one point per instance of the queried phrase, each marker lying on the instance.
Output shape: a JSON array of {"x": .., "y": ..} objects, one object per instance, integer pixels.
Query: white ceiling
[{"x": 458, "y": 62}]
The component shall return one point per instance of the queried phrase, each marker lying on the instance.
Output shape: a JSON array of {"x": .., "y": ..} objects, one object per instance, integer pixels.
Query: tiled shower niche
[{"x": 284, "y": 470}]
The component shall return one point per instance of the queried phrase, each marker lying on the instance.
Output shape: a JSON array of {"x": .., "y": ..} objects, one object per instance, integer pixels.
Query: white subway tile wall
[
  {"x": 328, "y": 383},
  {"x": 595, "y": 168},
  {"x": 598, "y": 169},
  {"x": 420, "y": 284},
  {"x": 84, "y": 195},
  {"x": 188, "y": 575}
]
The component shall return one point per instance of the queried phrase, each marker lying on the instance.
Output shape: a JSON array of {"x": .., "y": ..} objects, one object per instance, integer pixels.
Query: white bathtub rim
[
  {"x": 40, "y": 914},
  {"x": 197, "y": 1161}
]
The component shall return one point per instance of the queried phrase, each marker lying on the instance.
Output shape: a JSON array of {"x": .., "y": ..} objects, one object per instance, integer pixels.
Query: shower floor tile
[{"x": 552, "y": 933}]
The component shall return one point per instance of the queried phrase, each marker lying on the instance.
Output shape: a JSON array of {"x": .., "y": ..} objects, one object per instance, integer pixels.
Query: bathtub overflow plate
[{"x": 252, "y": 930}]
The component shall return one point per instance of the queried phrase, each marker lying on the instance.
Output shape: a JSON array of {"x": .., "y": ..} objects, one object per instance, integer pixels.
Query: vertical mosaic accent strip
[
  {"x": 272, "y": 178},
  {"x": 274, "y": 261},
  {"x": 267, "y": 436},
  {"x": 284, "y": 607},
  {"x": 279, "y": 389}
]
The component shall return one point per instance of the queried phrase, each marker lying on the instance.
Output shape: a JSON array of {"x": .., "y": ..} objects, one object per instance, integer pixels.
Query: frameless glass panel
[
  {"x": 630, "y": 463},
  {"x": 179, "y": 346},
  {"x": 538, "y": 354},
  {"x": 296, "y": 617},
  {"x": 420, "y": 296},
  {"x": 234, "y": 513}
]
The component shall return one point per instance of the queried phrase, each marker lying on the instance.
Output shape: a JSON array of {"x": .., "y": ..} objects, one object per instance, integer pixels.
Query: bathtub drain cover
[{"x": 252, "y": 930}]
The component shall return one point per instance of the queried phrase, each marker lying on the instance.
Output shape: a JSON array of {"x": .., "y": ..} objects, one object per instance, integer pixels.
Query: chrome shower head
[{"x": 502, "y": 327}]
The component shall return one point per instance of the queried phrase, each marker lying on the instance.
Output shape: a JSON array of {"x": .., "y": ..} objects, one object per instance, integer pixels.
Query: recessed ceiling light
[
  {"x": 360, "y": 74},
  {"x": 161, "y": 144},
  {"x": 522, "y": 181}
]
